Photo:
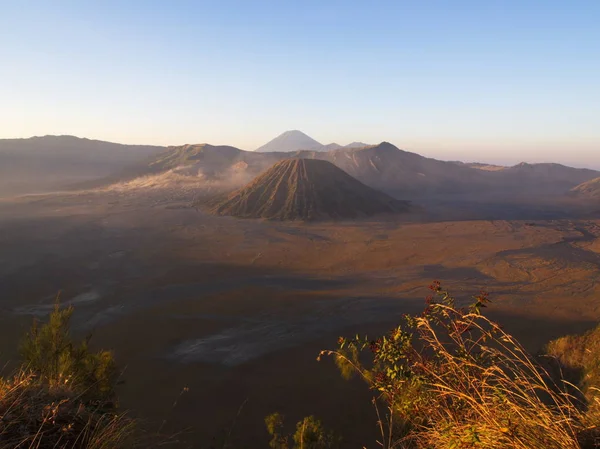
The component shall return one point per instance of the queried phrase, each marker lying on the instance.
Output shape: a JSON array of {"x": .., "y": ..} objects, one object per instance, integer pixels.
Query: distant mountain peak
[
  {"x": 292, "y": 140},
  {"x": 384, "y": 146},
  {"x": 295, "y": 140},
  {"x": 293, "y": 132}
]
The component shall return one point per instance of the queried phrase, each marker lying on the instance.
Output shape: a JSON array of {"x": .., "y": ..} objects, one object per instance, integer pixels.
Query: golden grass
[
  {"x": 35, "y": 416},
  {"x": 452, "y": 378},
  {"x": 510, "y": 403}
]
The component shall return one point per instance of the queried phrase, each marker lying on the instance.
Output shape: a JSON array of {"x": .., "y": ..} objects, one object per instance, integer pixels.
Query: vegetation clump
[
  {"x": 579, "y": 359},
  {"x": 310, "y": 434},
  {"x": 452, "y": 378},
  {"x": 50, "y": 352},
  {"x": 448, "y": 378},
  {"x": 64, "y": 394}
]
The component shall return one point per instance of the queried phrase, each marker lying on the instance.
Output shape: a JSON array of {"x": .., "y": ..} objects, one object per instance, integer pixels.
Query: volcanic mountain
[
  {"x": 306, "y": 189},
  {"x": 292, "y": 141}
]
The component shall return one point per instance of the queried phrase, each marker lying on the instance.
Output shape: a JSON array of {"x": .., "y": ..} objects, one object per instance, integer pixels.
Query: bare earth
[{"x": 237, "y": 310}]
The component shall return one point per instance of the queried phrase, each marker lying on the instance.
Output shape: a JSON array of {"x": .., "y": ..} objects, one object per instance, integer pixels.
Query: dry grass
[
  {"x": 452, "y": 378},
  {"x": 34, "y": 416},
  {"x": 474, "y": 402},
  {"x": 64, "y": 396}
]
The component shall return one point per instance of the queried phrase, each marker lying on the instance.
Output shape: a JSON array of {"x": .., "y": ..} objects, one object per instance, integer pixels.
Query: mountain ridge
[
  {"x": 383, "y": 166},
  {"x": 40, "y": 164},
  {"x": 49, "y": 163}
]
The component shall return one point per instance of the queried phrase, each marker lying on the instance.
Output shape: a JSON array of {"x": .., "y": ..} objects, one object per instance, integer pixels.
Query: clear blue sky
[{"x": 498, "y": 81}]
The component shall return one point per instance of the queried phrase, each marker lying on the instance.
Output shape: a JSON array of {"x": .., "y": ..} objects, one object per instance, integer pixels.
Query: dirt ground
[{"x": 237, "y": 310}]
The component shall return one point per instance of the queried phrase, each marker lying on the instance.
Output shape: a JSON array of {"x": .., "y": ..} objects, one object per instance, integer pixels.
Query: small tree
[
  {"x": 49, "y": 351},
  {"x": 274, "y": 423},
  {"x": 63, "y": 396},
  {"x": 310, "y": 434}
]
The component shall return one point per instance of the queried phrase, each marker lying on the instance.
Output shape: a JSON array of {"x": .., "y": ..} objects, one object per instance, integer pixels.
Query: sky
[{"x": 492, "y": 81}]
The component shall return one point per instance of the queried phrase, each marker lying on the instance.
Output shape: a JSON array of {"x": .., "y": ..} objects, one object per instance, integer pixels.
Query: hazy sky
[{"x": 499, "y": 81}]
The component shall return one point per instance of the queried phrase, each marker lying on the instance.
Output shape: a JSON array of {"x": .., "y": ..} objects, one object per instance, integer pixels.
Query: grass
[
  {"x": 449, "y": 378},
  {"x": 36, "y": 415},
  {"x": 452, "y": 378}
]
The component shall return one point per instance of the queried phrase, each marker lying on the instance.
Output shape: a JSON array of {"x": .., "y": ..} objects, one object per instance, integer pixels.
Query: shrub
[
  {"x": 578, "y": 357},
  {"x": 57, "y": 360},
  {"x": 63, "y": 396},
  {"x": 451, "y": 378},
  {"x": 274, "y": 423},
  {"x": 310, "y": 434}
]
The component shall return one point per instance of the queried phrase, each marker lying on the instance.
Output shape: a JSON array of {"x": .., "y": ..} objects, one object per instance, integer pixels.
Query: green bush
[
  {"x": 63, "y": 397},
  {"x": 310, "y": 434},
  {"x": 49, "y": 351}
]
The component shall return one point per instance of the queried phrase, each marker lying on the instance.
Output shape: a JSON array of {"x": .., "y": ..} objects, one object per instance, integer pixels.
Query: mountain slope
[
  {"x": 41, "y": 164},
  {"x": 291, "y": 141},
  {"x": 588, "y": 190},
  {"x": 399, "y": 172},
  {"x": 396, "y": 171},
  {"x": 305, "y": 189},
  {"x": 544, "y": 177},
  {"x": 230, "y": 166}
]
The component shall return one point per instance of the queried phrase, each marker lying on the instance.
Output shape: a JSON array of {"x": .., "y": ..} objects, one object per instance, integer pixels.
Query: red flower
[{"x": 435, "y": 286}]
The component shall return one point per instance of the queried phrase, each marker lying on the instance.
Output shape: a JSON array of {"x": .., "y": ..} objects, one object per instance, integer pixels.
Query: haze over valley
[{"x": 331, "y": 241}]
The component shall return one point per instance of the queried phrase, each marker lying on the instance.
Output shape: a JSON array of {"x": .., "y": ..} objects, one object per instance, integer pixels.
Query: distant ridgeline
[{"x": 43, "y": 164}]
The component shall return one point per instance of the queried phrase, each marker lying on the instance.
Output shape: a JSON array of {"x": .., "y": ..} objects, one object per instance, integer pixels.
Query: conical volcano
[{"x": 306, "y": 189}]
